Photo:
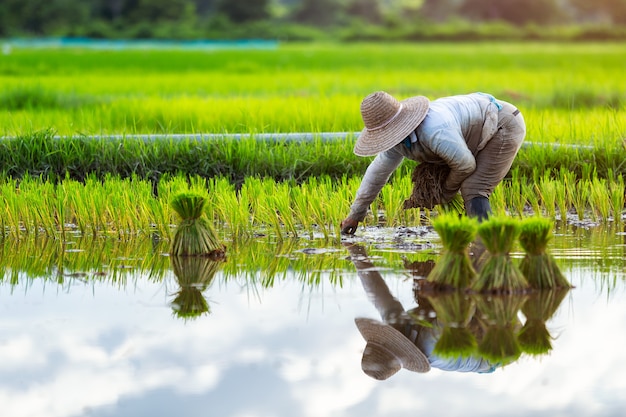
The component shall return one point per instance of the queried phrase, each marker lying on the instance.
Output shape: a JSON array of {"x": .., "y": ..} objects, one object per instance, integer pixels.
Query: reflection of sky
[{"x": 293, "y": 350}]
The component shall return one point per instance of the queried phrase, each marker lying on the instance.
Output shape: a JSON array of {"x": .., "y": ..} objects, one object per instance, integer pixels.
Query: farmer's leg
[{"x": 494, "y": 161}]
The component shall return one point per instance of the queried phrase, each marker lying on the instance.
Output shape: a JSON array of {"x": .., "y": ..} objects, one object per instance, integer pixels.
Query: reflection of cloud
[{"x": 120, "y": 353}]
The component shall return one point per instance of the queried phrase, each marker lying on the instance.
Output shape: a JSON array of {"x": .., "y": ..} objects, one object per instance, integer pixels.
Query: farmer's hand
[{"x": 348, "y": 226}]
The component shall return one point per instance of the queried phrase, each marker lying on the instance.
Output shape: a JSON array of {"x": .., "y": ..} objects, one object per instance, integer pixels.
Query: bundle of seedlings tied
[
  {"x": 428, "y": 185},
  {"x": 454, "y": 269},
  {"x": 534, "y": 337},
  {"x": 194, "y": 235},
  {"x": 498, "y": 273},
  {"x": 538, "y": 266}
]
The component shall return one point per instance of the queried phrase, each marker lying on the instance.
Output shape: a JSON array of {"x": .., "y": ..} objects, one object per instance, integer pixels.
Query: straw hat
[
  {"x": 388, "y": 121},
  {"x": 388, "y": 350}
]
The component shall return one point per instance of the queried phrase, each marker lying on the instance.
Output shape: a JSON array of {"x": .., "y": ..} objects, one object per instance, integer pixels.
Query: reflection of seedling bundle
[
  {"x": 195, "y": 235},
  {"x": 454, "y": 313},
  {"x": 538, "y": 266},
  {"x": 534, "y": 338},
  {"x": 499, "y": 274},
  {"x": 499, "y": 343},
  {"x": 194, "y": 274},
  {"x": 454, "y": 269}
]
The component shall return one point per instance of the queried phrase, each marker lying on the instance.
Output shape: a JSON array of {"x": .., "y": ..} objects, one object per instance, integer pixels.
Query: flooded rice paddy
[{"x": 108, "y": 328}]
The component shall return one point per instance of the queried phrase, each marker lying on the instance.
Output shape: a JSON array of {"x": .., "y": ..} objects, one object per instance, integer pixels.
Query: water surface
[{"x": 279, "y": 335}]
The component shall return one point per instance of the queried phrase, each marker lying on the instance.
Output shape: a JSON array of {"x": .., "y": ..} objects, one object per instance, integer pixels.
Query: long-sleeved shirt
[{"x": 455, "y": 129}]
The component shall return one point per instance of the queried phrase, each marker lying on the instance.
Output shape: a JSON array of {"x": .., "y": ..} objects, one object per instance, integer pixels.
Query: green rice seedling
[
  {"x": 499, "y": 317},
  {"x": 498, "y": 273},
  {"x": 194, "y": 275},
  {"x": 454, "y": 269},
  {"x": 580, "y": 197},
  {"x": 534, "y": 337},
  {"x": 454, "y": 206},
  {"x": 561, "y": 196},
  {"x": 532, "y": 196},
  {"x": 547, "y": 191},
  {"x": 498, "y": 201},
  {"x": 516, "y": 196},
  {"x": 195, "y": 235},
  {"x": 454, "y": 311},
  {"x": 599, "y": 199},
  {"x": 538, "y": 266},
  {"x": 616, "y": 188}
]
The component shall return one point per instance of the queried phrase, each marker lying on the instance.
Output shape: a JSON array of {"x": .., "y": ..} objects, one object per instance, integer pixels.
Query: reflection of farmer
[
  {"x": 399, "y": 340},
  {"x": 475, "y": 136}
]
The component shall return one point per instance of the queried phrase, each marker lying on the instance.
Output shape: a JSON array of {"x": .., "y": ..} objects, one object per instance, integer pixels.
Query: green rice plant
[
  {"x": 600, "y": 199},
  {"x": 454, "y": 312},
  {"x": 454, "y": 269},
  {"x": 498, "y": 273},
  {"x": 499, "y": 343},
  {"x": 454, "y": 206},
  {"x": 195, "y": 235},
  {"x": 579, "y": 194},
  {"x": 516, "y": 196},
  {"x": 616, "y": 189},
  {"x": 538, "y": 265},
  {"x": 561, "y": 196},
  {"x": 498, "y": 200},
  {"x": 534, "y": 337},
  {"x": 548, "y": 192},
  {"x": 529, "y": 189},
  {"x": 230, "y": 209},
  {"x": 194, "y": 275}
]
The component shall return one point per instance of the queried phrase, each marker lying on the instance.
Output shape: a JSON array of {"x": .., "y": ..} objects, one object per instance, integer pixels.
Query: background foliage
[{"x": 306, "y": 19}]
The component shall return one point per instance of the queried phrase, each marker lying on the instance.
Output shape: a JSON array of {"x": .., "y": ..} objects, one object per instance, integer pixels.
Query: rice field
[
  {"x": 572, "y": 96},
  {"x": 127, "y": 208}
]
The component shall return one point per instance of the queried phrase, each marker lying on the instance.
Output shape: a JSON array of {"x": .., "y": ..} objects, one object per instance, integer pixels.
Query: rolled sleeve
[{"x": 376, "y": 176}]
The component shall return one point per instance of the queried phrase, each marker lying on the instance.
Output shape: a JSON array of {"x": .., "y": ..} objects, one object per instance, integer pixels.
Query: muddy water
[{"x": 117, "y": 329}]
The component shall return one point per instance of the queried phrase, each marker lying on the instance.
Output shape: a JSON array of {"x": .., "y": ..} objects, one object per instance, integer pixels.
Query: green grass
[{"x": 306, "y": 87}]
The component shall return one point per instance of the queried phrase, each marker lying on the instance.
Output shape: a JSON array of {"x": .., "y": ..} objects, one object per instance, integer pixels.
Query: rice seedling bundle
[
  {"x": 534, "y": 337},
  {"x": 454, "y": 312},
  {"x": 538, "y": 266},
  {"x": 454, "y": 269},
  {"x": 498, "y": 273},
  {"x": 428, "y": 180},
  {"x": 195, "y": 235}
]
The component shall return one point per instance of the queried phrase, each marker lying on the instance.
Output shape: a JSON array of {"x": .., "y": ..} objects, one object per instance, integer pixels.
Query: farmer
[{"x": 475, "y": 135}]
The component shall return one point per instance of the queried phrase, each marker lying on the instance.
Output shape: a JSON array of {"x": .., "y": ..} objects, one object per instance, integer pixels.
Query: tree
[
  {"x": 319, "y": 12},
  {"x": 367, "y": 10},
  {"x": 157, "y": 10},
  {"x": 240, "y": 11},
  {"x": 615, "y": 10},
  {"x": 438, "y": 10},
  {"x": 518, "y": 12}
]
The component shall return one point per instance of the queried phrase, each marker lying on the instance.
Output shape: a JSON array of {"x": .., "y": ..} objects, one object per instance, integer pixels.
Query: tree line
[{"x": 192, "y": 19}]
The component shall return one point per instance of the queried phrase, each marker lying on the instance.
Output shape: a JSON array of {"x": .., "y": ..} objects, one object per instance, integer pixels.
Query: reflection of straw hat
[
  {"x": 388, "y": 121},
  {"x": 388, "y": 350}
]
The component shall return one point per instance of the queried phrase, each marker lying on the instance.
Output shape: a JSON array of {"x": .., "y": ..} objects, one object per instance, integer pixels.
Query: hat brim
[
  {"x": 399, "y": 345},
  {"x": 372, "y": 142}
]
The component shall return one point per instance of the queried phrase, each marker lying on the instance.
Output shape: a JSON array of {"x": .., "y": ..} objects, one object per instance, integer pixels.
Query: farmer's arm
[
  {"x": 451, "y": 147},
  {"x": 376, "y": 176}
]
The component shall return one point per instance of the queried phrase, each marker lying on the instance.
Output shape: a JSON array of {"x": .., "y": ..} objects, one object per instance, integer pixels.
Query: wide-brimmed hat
[
  {"x": 388, "y": 350},
  {"x": 388, "y": 121}
]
